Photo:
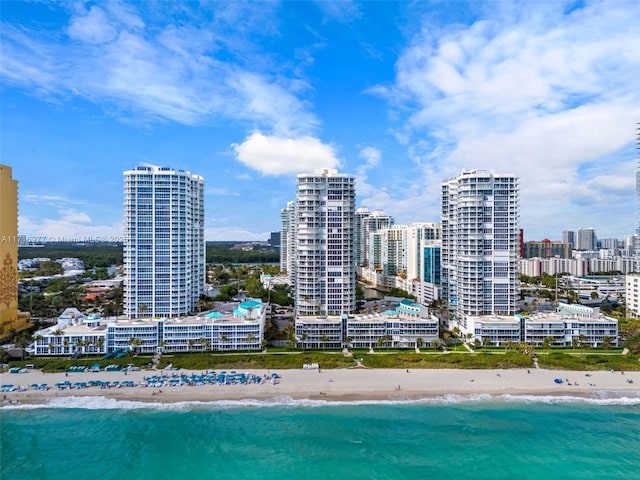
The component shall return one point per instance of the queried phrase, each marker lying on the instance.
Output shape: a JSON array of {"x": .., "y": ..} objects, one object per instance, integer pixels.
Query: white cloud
[
  {"x": 73, "y": 216},
  {"x": 371, "y": 157},
  {"x": 52, "y": 200},
  {"x": 343, "y": 11},
  {"x": 271, "y": 155},
  {"x": 68, "y": 228},
  {"x": 187, "y": 72},
  {"x": 235, "y": 233},
  {"x": 531, "y": 91},
  {"x": 94, "y": 27}
]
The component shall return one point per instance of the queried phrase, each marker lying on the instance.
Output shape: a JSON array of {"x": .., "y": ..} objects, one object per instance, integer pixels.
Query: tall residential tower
[
  {"x": 325, "y": 277},
  {"x": 164, "y": 247},
  {"x": 480, "y": 243}
]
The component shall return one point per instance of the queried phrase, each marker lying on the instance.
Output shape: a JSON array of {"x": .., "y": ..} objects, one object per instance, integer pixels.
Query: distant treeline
[
  {"x": 107, "y": 254},
  {"x": 95, "y": 254},
  {"x": 223, "y": 252}
]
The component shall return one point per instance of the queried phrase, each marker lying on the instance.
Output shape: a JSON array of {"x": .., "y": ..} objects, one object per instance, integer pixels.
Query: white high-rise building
[
  {"x": 480, "y": 243},
  {"x": 371, "y": 241},
  {"x": 361, "y": 243},
  {"x": 418, "y": 236},
  {"x": 325, "y": 278},
  {"x": 393, "y": 250},
  {"x": 288, "y": 239},
  {"x": 164, "y": 247}
]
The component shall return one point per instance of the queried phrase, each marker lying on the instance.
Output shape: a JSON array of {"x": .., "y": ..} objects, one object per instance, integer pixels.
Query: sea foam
[{"x": 600, "y": 397}]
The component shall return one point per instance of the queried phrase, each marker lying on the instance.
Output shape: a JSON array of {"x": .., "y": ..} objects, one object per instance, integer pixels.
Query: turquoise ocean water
[{"x": 479, "y": 437}]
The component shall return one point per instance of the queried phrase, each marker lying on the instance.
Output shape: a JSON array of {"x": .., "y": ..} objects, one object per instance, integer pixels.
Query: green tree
[
  {"x": 142, "y": 308},
  {"x": 134, "y": 343}
]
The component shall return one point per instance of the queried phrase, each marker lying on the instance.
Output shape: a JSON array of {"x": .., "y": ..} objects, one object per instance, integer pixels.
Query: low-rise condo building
[
  {"x": 241, "y": 329},
  {"x": 569, "y": 325},
  {"x": 408, "y": 325}
]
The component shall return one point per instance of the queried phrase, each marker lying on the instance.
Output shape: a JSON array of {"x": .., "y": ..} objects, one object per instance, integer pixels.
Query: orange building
[{"x": 10, "y": 317}]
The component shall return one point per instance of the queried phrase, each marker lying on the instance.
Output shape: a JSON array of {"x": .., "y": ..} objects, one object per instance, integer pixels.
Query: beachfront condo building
[
  {"x": 568, "y": 326},
  {"x": 236, "y": 327},
  {"x": 480, "y": 244},
  {"x": 409, "y": 325},
  {"x": 164, "y": 247},
  {"x": 10, "y": 317},
  {"x": 325, "y": 276}
]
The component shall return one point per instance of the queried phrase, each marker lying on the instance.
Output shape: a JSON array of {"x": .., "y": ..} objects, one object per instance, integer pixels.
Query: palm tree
[
  {"x": 134, "y": 343},
  {"x": 419, "y": 342},
  {"x": 583, "y": 341},
  {"x": 251, "y": 338},
  {"x": 387, "y": 339},
  {"x": 191, "y": 342},
  {"x": 79, "y": 344},
  {"x": 66, "y": 344},
  {"x": 304, "y": 337},
  {"x": 324, "y": 339},
  {"x": 100, "y": 344},
  {"x": 606, "y": 342},
  {"x": 224, "y": 338},
  {"x": 380, "y": 341},
  {"x": 23, "y": 342},
  {"x": 142, "y": 308},
  {"x": 546, "y": 342},
  {"x": 347, "y": 341}
]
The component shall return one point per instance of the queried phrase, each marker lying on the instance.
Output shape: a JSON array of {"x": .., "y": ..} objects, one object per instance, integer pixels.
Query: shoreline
[{"x": 338, "y": 385}]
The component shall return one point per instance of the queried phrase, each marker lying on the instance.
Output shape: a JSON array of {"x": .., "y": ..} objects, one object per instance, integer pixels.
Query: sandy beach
[{"x": 334, "y": 385}]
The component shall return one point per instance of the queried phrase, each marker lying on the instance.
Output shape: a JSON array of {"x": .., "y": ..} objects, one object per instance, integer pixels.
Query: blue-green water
[{"x": 446, "y": 438}]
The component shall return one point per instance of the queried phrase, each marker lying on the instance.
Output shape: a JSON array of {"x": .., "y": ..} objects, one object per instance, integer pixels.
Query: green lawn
[{"x": 282, "y": 359}]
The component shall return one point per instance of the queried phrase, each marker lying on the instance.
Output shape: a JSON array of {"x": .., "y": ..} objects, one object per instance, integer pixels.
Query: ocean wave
[{"x": 600, "y": 397}]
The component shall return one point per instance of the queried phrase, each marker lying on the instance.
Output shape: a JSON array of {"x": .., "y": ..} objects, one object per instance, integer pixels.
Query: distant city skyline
[{"x": 401, "y": 95}]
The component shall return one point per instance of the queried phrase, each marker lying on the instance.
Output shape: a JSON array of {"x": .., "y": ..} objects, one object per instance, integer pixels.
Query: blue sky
[{"x": 400, "y": 94}]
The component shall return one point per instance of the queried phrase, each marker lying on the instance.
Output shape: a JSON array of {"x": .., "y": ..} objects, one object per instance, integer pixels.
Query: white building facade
[
  {"x": 325, "y": 271},
  {"x": 164, "y": 247},
  {"x": 241, "y": 329},
  {"x": 407, "y": 326},
  {"x": 632, "y": 294},
  {"x": 480, "y": 243},
  {"x": 288, "y": 238}
]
